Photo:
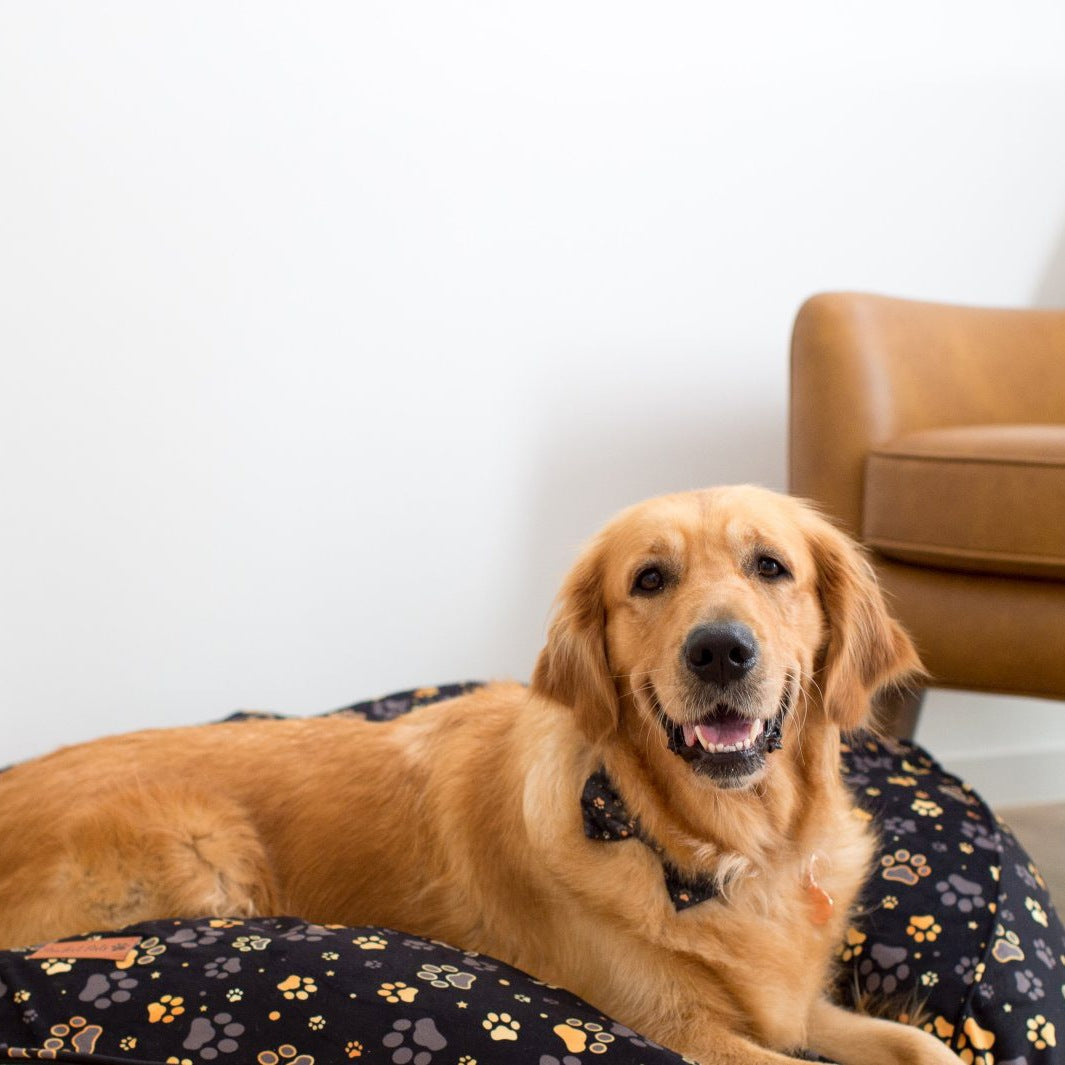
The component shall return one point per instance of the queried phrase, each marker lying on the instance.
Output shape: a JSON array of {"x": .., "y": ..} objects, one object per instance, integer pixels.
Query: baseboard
[{"x": 1013, "y": 778}]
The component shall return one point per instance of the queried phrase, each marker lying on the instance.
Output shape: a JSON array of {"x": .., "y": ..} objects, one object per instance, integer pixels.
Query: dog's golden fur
[{"x": 462, "y": 821}]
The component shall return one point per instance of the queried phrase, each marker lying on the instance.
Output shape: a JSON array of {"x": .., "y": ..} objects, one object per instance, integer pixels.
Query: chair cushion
[
  {"x": 955, "y": 920},
  {"x": 982, "y": 498}
]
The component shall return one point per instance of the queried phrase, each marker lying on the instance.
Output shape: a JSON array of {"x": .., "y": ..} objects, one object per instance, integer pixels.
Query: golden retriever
[{"x": 707, "y": 650}]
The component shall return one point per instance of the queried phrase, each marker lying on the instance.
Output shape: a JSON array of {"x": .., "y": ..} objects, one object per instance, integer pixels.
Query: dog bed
[{"x": 955, "y": 931}]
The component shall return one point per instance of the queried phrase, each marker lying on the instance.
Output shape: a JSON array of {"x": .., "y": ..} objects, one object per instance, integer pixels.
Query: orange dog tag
[{"x": 821, "y": 902}]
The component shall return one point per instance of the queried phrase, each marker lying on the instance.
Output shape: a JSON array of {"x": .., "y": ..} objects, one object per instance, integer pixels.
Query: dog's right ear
[{"x": 572, "y": 668}]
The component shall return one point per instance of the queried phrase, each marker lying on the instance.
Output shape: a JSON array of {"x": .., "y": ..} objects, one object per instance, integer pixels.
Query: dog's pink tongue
[{"x": 727, "y": 729}]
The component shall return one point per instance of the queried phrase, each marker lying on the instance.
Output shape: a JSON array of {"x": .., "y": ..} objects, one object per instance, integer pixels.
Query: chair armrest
[{"x": 866, "y": 369}]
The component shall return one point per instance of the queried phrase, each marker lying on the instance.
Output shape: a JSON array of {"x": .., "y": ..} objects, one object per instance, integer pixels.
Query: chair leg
[{"x": 897, "y": 711}]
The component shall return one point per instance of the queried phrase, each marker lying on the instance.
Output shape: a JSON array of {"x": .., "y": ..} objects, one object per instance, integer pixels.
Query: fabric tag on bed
[{"x": 113, "y": 949}]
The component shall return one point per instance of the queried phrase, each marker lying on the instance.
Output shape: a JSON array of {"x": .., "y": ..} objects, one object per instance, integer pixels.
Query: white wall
[{"x": 329, "y": 331}]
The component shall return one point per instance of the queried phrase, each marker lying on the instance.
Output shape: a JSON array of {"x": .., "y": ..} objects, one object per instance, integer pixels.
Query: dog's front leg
[
  {"x": 854, "y": 1039},
  {"x": 720, "y": 1047}
]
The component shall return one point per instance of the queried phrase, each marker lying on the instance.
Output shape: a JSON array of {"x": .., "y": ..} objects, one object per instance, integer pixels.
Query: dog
[{"x": 707, "y": 650}]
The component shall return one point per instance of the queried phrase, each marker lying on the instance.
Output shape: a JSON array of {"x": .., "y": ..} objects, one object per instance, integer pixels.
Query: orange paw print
[
  {"x": 923, "y": 928},
  {"x": 166, "y": 1009},
  {"x": 397, "y": 992}
]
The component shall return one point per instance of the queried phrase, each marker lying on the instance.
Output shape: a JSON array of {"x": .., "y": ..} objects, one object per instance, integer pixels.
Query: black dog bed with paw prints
[{"x": 955, "y": 932}]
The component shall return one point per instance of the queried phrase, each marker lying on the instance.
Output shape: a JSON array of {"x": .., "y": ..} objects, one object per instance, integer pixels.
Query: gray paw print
[
  {"x": 203, "y": 936},
  {"x": 966, "y": 969},
  {"x": 204, "y": 1036},
  {"x": 475, "y": 961},
  {"x": 978, "y": 835},
  {"x": 966, "y": 895},
  {"x": 102, "y": 991},
  {"x": 309, "y": 933},
  {"x": 634, "y": 1038},
  {"x": 885, "y": 969},
  {"x": 423, "y": 1033},
  {"x": 221, "y": 968},
  {"x": 1029, "y": 984},
  {"x": 1042, "y": 952},
  {"x": 1025, "y": 874},
  {"x": 569, "y": 1059},
  {"x": 900, "y": 826}
]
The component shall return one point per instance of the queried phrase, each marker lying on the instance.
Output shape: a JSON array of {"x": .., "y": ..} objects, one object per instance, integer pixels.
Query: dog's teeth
[
  {"x": 756, "y": 731},
  {"x": 689, "y": 735}
]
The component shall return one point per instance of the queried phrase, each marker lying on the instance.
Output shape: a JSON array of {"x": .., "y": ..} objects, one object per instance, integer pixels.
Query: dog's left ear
[
  {"x": 866, "y": 650},
  {"x": 572, "y": 668}
]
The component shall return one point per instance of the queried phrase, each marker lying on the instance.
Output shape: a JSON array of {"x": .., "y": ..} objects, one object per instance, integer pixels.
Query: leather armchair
[{"x": 936, "y": 435}]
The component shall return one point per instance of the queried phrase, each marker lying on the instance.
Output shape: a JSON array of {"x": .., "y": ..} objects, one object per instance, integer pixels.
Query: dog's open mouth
[{"x": 725, "y": 744}]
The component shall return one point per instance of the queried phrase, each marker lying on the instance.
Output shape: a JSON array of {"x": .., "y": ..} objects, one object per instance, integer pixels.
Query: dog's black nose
[{"x": 721, "y": 653}]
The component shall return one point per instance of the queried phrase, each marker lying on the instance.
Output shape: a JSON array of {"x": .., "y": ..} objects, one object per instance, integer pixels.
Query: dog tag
[{"x": 821, "y": 902}]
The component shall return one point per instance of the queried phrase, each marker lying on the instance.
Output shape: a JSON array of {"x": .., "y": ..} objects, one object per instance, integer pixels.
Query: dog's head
[{"x": 709, "y": 615}]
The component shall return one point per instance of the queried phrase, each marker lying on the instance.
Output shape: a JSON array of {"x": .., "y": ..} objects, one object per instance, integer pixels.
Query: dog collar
[{"x": 607, "y": 820}]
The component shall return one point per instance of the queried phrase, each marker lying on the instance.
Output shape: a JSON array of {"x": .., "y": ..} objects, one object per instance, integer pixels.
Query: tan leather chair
[{"x": 936, "y": 435}]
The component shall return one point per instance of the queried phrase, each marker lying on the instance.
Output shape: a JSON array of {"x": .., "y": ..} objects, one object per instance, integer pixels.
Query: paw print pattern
[
  {"x": 105, "y": 990},
  {"x": 1042, "y": 1032},
  {"x": 923, "y": 927},
  {"x": 166, "y": 1010},
  {"x": 971, "y": 970},
  {"x": 579, "y": 1036},
  {"x": 1029, "y": 984},
  {"x": 221, "y": 968},
  {"x": 55, "y": 966},
  {"x": 298, "y": 987},
  {"x": 957, "y": 891},
  {"x": 370, "y": 942},
  {"x": 445, "y": 976},
  {"x": 974, "y": 1043},
  {"x": 1007, "y": 946},
  {"x": 641, "y": 1042},
  {"x": 884, "y": 970},
  {"x": 145, "y": 953},
  {"x": 900, "y": 826},
  {"x": 354, "y": 1049},
  {"x": 192, "y": 938},
  {"x": 397, "y": 992},
  {"x": 246, "y": 944},
  {"x": 853, "y": 944},
  {"x": 479, "y": 964},
  {"x": 413, "y": 1042},
  {"x": 902, "y": 867},
  {"x": 1044, "y": 953},
  {"x": 501, "y": 1026},
  {"x": 1036, "y": 910},
  {"x": 980, "y": 836},
  {"x": 76, "y": 1034},
  {"x": 307, "y": 933},
  {"x": 212, "y": 1036},
  {"x": 285, "y": 1054}
]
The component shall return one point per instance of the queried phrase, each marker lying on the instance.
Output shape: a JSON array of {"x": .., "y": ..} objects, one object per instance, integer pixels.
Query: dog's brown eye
[
  {"x": 649, "y": 580},
  {"x": 770, "y": 568}
]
